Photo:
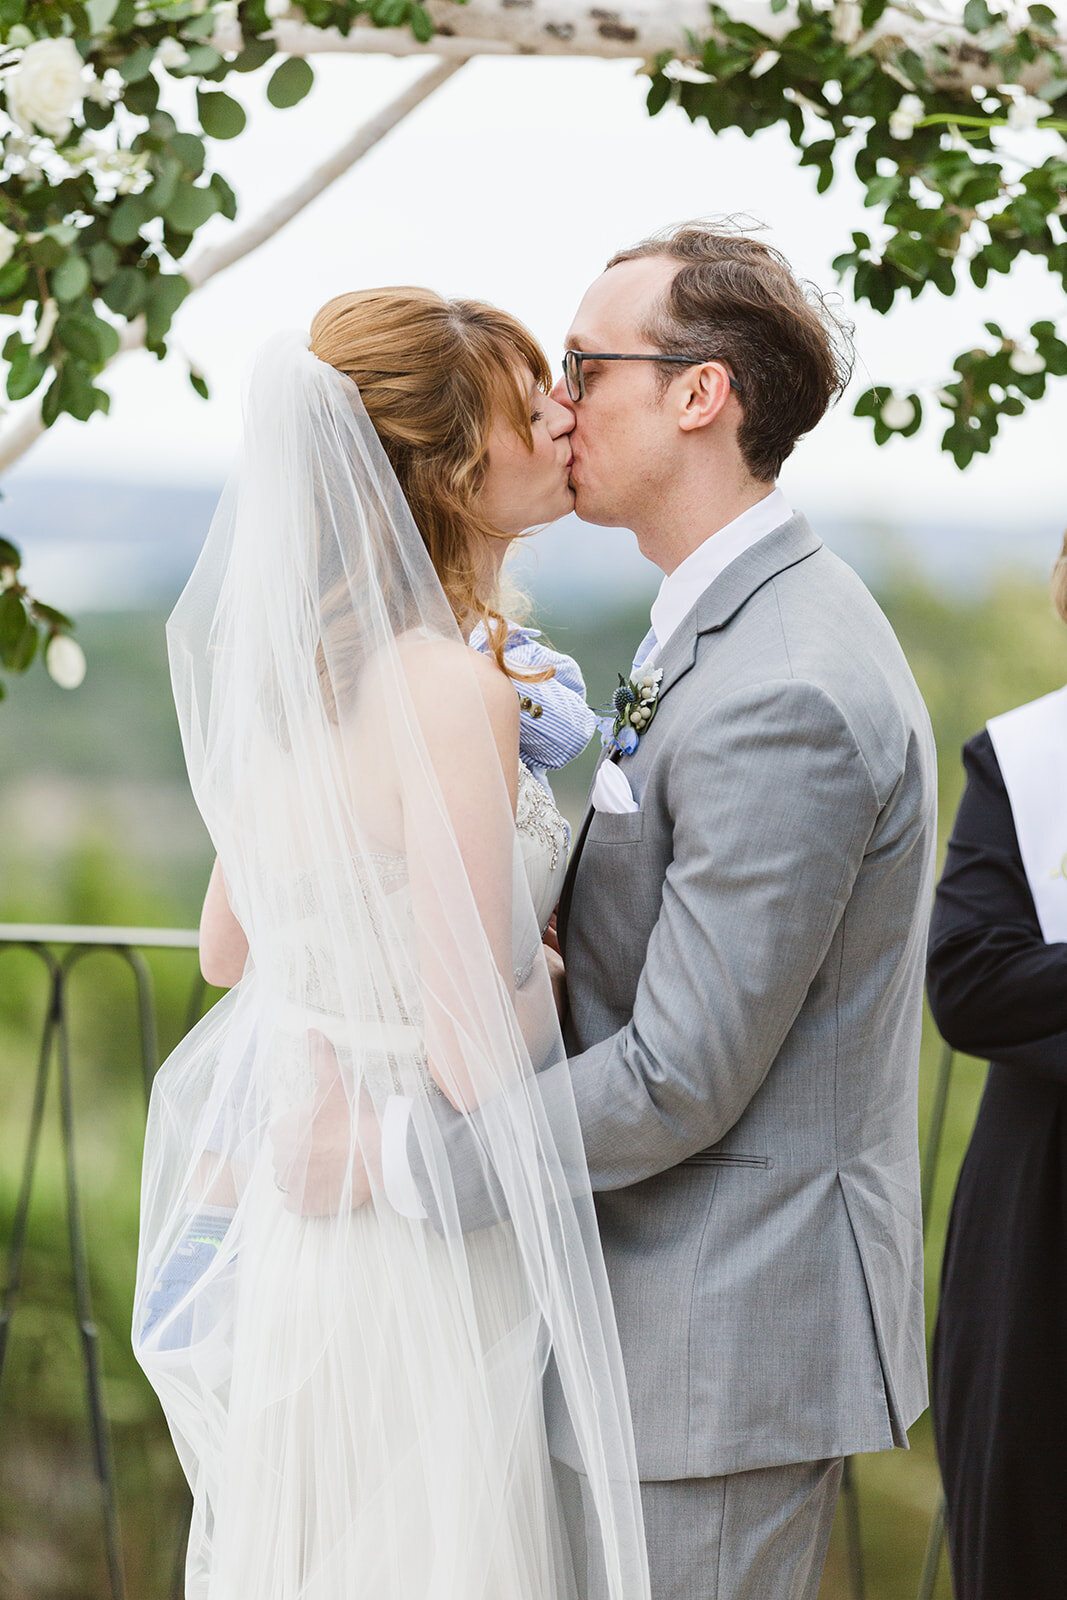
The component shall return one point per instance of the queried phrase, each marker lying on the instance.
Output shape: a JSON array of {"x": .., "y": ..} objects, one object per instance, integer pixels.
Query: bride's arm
[
  {"x": 468, "y": 714},
  {"x": 223, "y": 946}
]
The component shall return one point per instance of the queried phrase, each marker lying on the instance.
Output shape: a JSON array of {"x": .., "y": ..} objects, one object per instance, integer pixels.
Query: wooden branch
[
  {"x": 613, "y": 28},
  {"x": 28, "y": 427},
  {"x": 641, "y": 29}
]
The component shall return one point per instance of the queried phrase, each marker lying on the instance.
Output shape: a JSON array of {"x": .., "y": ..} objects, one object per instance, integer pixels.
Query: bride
[{"x": 357, "y": 1395}]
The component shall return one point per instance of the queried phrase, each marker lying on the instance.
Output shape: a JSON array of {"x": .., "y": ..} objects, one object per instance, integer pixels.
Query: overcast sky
[{"x": 513, "y": 183}]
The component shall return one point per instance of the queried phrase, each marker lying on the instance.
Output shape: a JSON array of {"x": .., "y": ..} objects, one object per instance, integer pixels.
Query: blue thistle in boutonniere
[{"x": 633, "y": 705}]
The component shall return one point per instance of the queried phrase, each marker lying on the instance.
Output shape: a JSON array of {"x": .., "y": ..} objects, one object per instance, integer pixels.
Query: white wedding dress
[
  {"x": 439, "y": 1428},
  {"x": 356, "y": 1395}
]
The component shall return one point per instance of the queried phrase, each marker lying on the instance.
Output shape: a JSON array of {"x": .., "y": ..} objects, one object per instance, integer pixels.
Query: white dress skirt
[{"x": 360, "y": 1450}]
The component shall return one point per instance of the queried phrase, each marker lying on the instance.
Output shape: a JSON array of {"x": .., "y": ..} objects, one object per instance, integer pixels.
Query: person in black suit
[{"x": 998, "y": 989}]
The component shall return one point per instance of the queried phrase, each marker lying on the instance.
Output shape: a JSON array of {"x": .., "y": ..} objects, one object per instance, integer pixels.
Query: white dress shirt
[
  {"x": 682, "y": 588},
  {"x": 678, "y": 594}
]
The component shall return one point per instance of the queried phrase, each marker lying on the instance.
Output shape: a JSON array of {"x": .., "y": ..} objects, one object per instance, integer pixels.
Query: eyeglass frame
[{"x": 578, "y": 357}]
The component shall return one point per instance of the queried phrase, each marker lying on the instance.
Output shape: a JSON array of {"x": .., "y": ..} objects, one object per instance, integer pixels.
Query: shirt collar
[{"x": 682, "y": 588}]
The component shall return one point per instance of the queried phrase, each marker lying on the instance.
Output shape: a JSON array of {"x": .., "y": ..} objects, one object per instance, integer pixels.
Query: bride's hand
[{"x": 320, "y": 1160}]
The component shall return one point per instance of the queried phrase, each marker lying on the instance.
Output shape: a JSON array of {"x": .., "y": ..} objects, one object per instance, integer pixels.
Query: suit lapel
[
  {"x": 720, "y": 602},
  {"x": 725, "y": 596}
]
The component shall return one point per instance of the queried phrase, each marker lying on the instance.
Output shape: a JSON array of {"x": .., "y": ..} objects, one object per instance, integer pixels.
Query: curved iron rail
[{"x": 79, "y": 943}]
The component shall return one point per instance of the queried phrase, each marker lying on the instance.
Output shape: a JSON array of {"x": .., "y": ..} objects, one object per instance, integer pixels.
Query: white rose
[
  {"x": 277, "y": 8},
  {"x": 171, "y": 53},
  {"x": 1026, "y": 113},
  {"x": 1026, "y": 362},
  {"x": 898, "y": 412},
  {"x": 910, "y": 111},
  {"x": 8, "y": 241},
  {"x": 65, "y": 661},
  {"x": 46, "y": 86}
]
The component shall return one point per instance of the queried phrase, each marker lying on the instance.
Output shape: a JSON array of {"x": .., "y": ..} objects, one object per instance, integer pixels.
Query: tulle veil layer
[{"x": 357, "y": 1396}]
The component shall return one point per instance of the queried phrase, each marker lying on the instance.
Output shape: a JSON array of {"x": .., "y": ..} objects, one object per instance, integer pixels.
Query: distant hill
[{"x": 96, "y": 545}]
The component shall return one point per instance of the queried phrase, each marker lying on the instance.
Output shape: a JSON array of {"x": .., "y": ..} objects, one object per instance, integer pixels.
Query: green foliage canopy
[{"x": 948, "y": 181}]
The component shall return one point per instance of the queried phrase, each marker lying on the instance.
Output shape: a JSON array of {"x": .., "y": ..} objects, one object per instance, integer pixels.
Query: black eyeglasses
[{"x": 574, "y": 377}]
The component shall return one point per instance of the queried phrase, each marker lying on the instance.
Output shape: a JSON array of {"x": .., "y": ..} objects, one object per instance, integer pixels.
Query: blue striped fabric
[{"x": 565, "y": 723}]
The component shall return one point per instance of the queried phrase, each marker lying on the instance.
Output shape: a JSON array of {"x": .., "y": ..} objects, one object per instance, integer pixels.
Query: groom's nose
[{"x": 560, "y": 395}]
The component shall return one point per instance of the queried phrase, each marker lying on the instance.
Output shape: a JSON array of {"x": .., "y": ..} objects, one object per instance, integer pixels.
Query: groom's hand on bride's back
[{"x": 327, "y": 1154}]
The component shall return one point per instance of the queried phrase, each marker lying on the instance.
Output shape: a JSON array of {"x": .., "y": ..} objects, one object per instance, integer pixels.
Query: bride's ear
[{"x": 705, "y": 390}]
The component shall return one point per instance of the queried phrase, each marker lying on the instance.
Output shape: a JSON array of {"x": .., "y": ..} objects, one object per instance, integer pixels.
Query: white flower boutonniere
[{"x": 633, "y": 705}]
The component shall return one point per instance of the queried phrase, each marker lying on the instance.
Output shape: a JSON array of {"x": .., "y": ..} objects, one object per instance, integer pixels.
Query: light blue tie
[{"x": 644, "y": 650}]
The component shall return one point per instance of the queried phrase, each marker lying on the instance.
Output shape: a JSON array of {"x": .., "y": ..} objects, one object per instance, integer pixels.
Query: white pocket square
[{"x": 611, "y": 792}]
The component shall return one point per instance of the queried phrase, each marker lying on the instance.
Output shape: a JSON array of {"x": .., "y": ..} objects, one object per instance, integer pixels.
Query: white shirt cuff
[{"x": 399, "y": 1181}]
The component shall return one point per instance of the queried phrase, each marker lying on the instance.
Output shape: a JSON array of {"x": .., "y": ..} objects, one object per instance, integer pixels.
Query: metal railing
[
  {"x": 127, "y": 944},
  {"x": 54, "y": 1056}
]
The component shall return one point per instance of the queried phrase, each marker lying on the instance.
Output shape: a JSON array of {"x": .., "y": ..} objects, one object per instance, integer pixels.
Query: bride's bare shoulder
[{"x": 445, "y": 675}]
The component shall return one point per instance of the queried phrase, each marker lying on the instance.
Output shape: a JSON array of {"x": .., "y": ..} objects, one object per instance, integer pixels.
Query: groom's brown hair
[{"x": 736, "y": 296}]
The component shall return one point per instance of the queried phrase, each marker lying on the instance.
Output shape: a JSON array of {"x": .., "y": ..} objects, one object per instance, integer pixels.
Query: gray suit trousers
[{"x": 758, "y": 1535}]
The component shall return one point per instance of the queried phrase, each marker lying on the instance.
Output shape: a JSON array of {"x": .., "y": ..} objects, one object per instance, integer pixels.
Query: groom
[{"x": 743, "y": 926}]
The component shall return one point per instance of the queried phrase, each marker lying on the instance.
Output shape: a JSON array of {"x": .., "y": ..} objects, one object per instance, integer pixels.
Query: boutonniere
[{"x": 633, "y": 705}]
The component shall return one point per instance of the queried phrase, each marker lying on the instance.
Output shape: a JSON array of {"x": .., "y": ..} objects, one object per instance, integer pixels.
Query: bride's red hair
[{"x": 434, "y": 376}]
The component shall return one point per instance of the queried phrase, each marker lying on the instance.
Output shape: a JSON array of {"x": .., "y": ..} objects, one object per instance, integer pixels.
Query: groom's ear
[{"x": 704, "y": 391}]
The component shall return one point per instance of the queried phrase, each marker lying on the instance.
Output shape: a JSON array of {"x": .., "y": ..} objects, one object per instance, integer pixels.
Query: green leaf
[
  {"x": 71, "y": 278},
  {"x": 100, "y": 13},
  {"x": 24, "y": 374},
  {"x": 47, "y": 252},
  {"x": 125, "y": 293},
  {"x": 226, "y": 198},
  {"x": 12, "y": 622},
  {"x": 138, "y": 64},
  {"x": 201, "y": 59},
  {"x": 55, "y": 619},
  {"x": 128, "y": 218},
  {"x": 165, "y": 295},
  {"x": 290, "y": 82},
  {"x": 422, "y": 24},
  {"x": 103, "y": 261},
  {"x": 12, "y": 278},
  {"x": 659, "y": 93},
  {"x": 91, "y": 339},
  {"x": 256, "y": 54},
  {"x": 199, "y": 383},
  {"x": 190, "y": 152},
  {"x": 976, "y": 16},
  {"x": 142, "y": 98},
  {"x": 201, "y": 27},
  {"x": 10, "y": 555},
  {"x": 24, "y": 649},
  {"x": 97, "y": 116},
  {"x": 76, "y": 392},
  {"x": 191, "y": 207},
  {"x": 220, "y": 115}
]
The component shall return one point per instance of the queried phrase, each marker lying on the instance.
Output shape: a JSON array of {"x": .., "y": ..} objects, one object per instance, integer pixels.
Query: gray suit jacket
[{"x": 745, "y": 958}]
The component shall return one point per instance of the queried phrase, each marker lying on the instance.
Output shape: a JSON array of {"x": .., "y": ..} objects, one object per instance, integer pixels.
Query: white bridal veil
[{"x": 357, "y": 1396}]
